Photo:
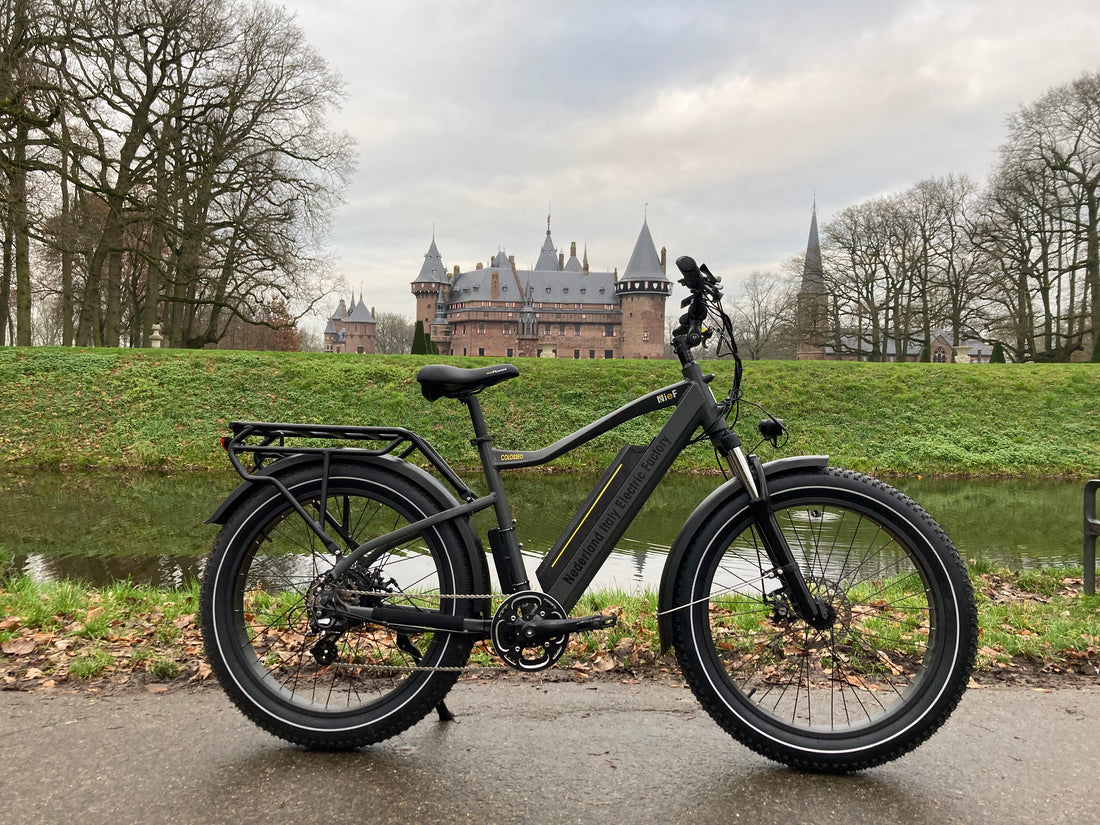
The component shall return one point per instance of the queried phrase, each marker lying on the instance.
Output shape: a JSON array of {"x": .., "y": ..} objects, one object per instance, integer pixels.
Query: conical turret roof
[
  {"x": 548, "y": 256},
  {"x": 360, "y": 314},
  {"x": 644, "y": 264},
  {"x": 432, "y": 271}
]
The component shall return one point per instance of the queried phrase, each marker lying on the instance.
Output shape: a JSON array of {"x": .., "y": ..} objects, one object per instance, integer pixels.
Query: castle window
[
  {"x": 645, "y": 334},
  {"x": 480, "y": 327},
  {"x": 584, "y": 290},
  {"x": 608, "y": 330},
  {"x": 576, "y": 329},
  {"x": 576, "y": 355},
  {"x": 565, "y": 291},
  {"x": 609, "y": 353}
]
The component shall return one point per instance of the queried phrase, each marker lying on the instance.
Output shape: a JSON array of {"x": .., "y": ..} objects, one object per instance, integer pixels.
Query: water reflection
[{"x": 100, "y": 526}]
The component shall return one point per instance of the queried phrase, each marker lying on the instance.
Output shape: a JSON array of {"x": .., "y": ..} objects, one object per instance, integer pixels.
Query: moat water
[{"x": 149, "y": 528}]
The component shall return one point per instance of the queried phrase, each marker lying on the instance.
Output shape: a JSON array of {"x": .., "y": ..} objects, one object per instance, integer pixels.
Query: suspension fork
[{"x": 750, "y": 472}]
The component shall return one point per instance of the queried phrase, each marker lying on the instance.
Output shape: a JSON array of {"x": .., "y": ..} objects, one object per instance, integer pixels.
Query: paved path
[{"x": 531, "y": 753}]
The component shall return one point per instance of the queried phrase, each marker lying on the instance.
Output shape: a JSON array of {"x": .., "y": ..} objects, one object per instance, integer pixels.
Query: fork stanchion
[{"x": 1092, "y": 530}]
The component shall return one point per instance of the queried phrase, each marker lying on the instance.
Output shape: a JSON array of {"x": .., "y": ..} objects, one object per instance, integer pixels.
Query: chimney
[
  {"x": 664, "y": 258},
  {"x": 561, "y": 261},
  {"x": 494, "y": 289}
]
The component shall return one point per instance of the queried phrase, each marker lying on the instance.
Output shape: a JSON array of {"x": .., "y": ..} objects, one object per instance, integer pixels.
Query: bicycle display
[{"x": 820, "y": 617}]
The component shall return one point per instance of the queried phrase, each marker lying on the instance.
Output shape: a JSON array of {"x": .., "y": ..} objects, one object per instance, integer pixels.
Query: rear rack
[{"x": 272, "y": 446}]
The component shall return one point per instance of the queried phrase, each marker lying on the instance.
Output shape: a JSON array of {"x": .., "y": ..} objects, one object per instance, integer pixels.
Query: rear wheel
[
  {"x": 877, "y": 682},
  {"x": 351, "y": 683}
]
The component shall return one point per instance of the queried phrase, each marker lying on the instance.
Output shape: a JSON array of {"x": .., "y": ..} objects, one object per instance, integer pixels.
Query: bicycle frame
[{"x": 586, "y": 542}]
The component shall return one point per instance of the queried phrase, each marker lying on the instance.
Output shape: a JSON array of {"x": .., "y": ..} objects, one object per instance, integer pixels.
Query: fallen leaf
[
  {"x": 604, "y": 663},
  {"x": 33, "y": 673},
  {"x": 18, "y": 647},
  {"x": 156, "y": 688}
]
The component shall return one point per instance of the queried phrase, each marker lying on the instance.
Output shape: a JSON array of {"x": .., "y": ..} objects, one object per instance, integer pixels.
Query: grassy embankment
[{"x": 167, "y": 409}]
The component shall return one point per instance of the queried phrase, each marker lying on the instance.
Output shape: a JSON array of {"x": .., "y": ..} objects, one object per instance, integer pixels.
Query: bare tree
[
  {"x": 393, "y": 333},
  {"x": 762, "y": 312},
  {"x": 196, "y": 174},
  {"x": 1061, "y": 131}
]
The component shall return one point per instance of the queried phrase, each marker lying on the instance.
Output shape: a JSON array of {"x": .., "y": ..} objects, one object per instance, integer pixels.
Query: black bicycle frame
[
  {"x": 588, "y": 540},
  {"x": 585, "y": 544}
]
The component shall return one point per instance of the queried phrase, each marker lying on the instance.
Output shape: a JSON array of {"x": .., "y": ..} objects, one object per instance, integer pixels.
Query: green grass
[
  {"x": 168, "y": 408},
  {"x": 1038, "y": 620}
]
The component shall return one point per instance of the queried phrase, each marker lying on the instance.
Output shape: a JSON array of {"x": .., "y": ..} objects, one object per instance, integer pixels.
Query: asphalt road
[{"x": 531, "y": 753}]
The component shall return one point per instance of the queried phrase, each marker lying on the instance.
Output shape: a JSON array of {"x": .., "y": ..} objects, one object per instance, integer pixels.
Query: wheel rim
[
  {"x": 278, "y": 580},
  {"x": 856, "y": 676}
]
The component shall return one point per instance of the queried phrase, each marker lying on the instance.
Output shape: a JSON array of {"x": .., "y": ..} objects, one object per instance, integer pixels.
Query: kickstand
[{"x": 406, "y": 644}]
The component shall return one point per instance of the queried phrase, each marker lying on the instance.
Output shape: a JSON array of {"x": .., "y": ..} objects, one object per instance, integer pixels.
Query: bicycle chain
[{"x": 417, "y": 668}]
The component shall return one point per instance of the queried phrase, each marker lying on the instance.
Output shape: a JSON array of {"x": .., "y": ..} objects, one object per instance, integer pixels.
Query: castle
[
  {"x": 351, "y": 330},
  {"x": 558, "y": 309}
]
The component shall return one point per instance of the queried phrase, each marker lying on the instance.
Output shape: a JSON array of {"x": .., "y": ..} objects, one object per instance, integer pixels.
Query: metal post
[{"x": 1092, "y": 530}]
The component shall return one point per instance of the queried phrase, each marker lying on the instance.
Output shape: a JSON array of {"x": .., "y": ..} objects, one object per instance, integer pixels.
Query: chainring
[{"x": 516, "y": 621}]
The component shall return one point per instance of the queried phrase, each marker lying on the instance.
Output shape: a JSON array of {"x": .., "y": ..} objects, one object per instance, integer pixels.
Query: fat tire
[
  {"x": 266, "y": 553},
  {"x": 764, "y": 680}
]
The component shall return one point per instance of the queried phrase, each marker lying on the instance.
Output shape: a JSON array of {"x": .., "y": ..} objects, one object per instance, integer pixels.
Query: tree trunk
[{"x": 22, "y": 239}]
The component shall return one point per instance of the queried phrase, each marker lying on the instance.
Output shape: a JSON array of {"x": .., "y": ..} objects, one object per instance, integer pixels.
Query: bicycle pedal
[{"x": 597, "y": 622}]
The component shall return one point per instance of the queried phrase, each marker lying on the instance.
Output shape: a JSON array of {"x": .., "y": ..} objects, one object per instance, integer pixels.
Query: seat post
[{"x": 506, "y": 524}]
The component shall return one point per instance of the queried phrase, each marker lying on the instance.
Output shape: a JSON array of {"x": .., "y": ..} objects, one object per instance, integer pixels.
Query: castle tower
[
  {"x": 431, "y": 286},
  {"x": 360, "y": 329},
  {"x": 643, "y": 290},
  {"x": 813, "y": 300}
]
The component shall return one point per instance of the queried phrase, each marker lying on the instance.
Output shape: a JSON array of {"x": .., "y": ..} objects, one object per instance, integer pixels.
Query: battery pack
[{"x": 599, "y": 523}]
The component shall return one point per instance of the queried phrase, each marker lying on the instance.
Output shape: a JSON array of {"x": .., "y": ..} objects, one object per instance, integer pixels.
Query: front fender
[
  {"x": 435, "y": 490},
  {"x": 732, "y": 488}
]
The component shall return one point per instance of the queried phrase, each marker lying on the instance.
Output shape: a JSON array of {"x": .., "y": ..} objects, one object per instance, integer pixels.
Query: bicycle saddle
[{"x": 439, "y": 380}]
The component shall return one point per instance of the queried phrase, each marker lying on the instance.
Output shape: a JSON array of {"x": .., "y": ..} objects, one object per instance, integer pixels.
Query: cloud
[{"x": 724, "y": 117}]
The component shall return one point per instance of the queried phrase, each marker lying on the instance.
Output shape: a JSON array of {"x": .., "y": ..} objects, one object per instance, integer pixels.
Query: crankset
[{"x": 531, "y": 632}]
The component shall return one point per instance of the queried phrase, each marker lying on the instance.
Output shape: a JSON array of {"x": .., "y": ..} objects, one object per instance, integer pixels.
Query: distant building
[
  {"x": 817, "y": 344},
  {"x": 559, "y": 309},
  {"x": 351, "y": 330}
]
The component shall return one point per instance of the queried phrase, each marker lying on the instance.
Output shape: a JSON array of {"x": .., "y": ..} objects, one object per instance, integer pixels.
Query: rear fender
[
  {"x": 431, "y": 486},
  {"x": 729, "y": 490}
]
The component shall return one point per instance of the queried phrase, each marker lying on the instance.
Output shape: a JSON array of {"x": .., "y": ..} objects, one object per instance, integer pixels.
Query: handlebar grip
[{"x": 693, "y": 278}]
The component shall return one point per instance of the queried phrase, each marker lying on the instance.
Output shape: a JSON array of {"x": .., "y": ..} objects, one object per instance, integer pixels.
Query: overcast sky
[{"x": 725, "y": 117}]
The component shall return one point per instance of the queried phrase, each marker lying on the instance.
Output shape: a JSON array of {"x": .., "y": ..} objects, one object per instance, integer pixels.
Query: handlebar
[
  {"x": 703, "y": 286},
  {"x": 705, "y": 301}
]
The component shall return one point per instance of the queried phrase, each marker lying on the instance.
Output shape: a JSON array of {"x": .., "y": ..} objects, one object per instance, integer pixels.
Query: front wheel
[
  {"x": 877, "y": 682},
  {"x": 334, "y": 685}
]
